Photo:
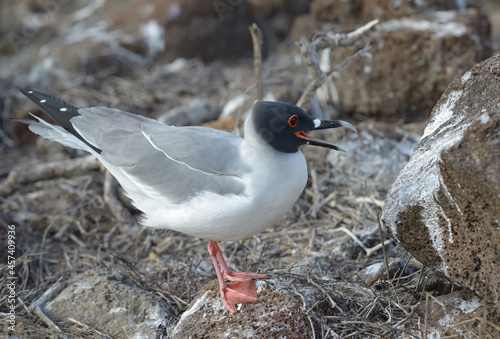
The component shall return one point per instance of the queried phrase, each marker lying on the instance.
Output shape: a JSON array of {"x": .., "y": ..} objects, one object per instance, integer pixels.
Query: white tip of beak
[{"x": 347, "y": 125}]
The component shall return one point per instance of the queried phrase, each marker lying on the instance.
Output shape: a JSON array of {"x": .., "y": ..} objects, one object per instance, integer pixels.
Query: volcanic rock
[
  {"x": 444, "y": 207},
  {"x": 282, "y": 312},
  {"x": 111, "y": 303},
  {"x": 412, "y": 61}
]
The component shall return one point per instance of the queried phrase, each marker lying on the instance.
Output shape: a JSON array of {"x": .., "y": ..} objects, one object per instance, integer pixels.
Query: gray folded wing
[{"x": 174, "y": 163}]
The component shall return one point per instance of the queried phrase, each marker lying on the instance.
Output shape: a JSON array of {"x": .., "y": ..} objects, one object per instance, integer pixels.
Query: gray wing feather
[
  {"x": 55, "y": 133},
  {"x": 206, "y": 150},
  {"x": 173, "y": 162}
]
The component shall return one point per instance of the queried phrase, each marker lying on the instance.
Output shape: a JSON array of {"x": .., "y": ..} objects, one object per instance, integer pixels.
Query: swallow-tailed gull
[{"x": 195, "y": 180}]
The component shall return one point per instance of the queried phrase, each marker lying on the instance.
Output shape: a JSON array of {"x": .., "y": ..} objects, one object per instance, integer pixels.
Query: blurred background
[{"x": 151, "y": 57}]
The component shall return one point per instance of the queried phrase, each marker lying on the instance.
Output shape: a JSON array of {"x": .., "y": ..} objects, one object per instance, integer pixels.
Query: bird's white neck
[{"x": 255, "y": 143}]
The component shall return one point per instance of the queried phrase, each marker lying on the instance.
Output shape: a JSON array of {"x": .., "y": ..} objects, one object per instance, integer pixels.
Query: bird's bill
[
  {"x": 334, "y": 124},
  {"x": 324, "y": 124}
]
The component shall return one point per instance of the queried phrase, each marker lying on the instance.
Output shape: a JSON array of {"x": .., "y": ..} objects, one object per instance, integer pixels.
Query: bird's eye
[{"x": 293, "y": 120}]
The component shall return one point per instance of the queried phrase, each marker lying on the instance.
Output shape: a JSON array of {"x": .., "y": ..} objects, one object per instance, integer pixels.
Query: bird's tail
[{"x": 62, "y": 112}]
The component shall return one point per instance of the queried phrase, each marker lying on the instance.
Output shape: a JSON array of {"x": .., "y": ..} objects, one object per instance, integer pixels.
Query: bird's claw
[{"x": 243, "y": 291}]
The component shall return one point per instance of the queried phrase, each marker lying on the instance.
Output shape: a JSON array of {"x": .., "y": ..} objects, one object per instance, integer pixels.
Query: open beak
[{"x": 324, "y": 124}]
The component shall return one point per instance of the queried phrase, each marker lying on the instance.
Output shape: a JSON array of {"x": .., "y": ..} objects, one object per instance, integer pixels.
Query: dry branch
[
  {"x": 369, "y": 251},
  {"x": 36, "y": 306},
  {"x": 93, "y": 330},
  {"x": 28, "y": 175},
  {"x": 319, "y": 41},
  {"x": 386, "y": 261},
  {"x": 256, "y": 33}
]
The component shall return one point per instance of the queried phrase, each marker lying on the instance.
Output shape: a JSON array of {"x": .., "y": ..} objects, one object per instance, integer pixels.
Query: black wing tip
[
  {"x": 29, "y": 92},
  {"x": 49, "y": 104},
  {"x": 35, "y": 96},
  {"x": 59, "y": 110}
]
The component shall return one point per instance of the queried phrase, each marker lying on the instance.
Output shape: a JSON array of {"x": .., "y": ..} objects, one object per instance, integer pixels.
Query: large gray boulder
[{"x": 444, "y": 207}]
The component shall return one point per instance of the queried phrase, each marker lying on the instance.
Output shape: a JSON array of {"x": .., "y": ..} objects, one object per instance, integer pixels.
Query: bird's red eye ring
[{"x": 293, "y": 120}]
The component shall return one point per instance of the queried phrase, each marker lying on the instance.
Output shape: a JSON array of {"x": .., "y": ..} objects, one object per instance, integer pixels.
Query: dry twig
[
  {"x": 44, "y": 171},
  {"x": 386, "y": 262},
  {"x": 310, "y": 56},
  {"x": 36, "y": 306},
  {"x": 426, "y": 314},
  {"x": 369, "y": 251},
  {"x": 256, "y": 33},
  {"x": 99, "y": 334}
]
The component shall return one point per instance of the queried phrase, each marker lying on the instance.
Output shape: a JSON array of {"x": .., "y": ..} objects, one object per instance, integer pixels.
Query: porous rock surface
[
  {"x": 454, "y": 315},
  {"x": 280, "y": 313},
  {"x": 351, "y": 13},
  {"x": 444, "y": 207},
  {"x": 424, "y": 54},
  {"x": 110, "y": 303}
]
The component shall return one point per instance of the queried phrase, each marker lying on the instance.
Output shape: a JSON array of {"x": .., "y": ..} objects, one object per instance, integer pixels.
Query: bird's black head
[{"x": 283, "y": 126}]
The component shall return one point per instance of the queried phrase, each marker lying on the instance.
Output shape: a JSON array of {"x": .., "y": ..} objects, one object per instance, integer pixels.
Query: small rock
[
  {"x": 444, "y": 207},
  {"x": 454, "y": 315},
  {"x": 111, "y": 303},
  {"x": 397, "y": 268},
  {"x": 280, "y": 313}
]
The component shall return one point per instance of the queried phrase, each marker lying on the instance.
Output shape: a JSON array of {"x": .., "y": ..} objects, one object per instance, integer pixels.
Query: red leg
[
  {"x": 227, "y": 273},
  {"x": 241, "y": 290}
]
